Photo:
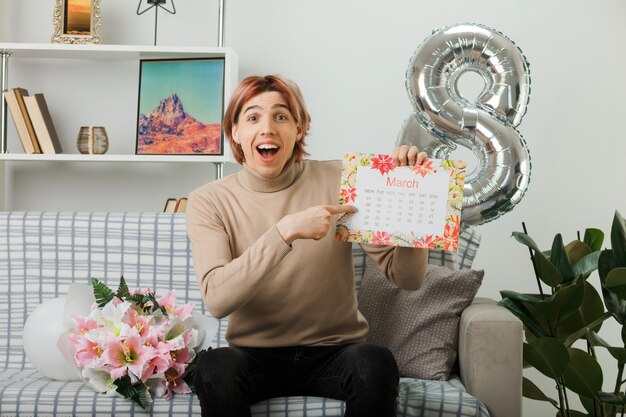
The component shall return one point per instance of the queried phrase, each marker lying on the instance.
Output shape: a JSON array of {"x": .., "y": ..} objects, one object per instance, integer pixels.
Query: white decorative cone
[
  {"x": 208, "y": 329},
  {"x": 78, "y": 302},
  {"x": 41, "y": 338}
]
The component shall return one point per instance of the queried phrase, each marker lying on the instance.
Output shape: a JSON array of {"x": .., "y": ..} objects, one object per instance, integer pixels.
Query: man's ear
[{"x": 298, "y": 133}]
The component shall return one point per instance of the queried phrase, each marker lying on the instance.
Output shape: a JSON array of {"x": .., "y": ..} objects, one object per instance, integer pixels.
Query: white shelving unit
[
  {"x": 11, "y": 51},
  {"x": 112, "y": 65}
]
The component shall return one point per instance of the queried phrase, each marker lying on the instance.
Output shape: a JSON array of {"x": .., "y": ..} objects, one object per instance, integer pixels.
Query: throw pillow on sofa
[{"x": 419, "y": 327}]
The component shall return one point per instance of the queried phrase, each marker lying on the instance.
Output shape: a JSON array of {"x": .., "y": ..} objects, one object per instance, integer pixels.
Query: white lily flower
[
  {"x": 175, "y": 332},
  {"x": 111, "y": 315},
  {"x": 197, "y": 337},
  {"x": 100, "y": 380},
  {"x": 156, "y": 385}
]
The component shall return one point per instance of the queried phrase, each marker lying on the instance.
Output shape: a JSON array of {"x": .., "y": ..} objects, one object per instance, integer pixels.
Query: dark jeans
[{"x": 365, "y": 376}]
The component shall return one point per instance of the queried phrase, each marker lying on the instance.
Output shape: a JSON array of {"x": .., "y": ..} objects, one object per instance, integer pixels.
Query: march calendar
[{"x": 416, "y": 206}]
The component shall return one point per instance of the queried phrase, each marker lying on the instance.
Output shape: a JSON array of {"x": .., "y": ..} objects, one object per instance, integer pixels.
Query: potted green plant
[{"x": 568, "y": 310}]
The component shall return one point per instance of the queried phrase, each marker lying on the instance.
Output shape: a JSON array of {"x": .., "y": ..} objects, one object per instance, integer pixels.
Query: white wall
[{"x": 350, "y": 57}]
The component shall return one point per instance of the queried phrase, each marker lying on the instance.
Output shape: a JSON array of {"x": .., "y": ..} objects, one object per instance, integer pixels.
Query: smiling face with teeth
[{"x": 267, "y": 133}]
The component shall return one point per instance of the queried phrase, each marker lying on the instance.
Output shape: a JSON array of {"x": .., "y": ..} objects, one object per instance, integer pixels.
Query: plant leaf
[
  {"x": 122, "y": 291},
  {"x": 142, "y": 397},
  {"x": 618, "y": 239},
  {"x": 618, "y": 399},
  {"x": 576, "y": 250},
  {"x": 616, "y": 281},
  {"x": 563, "y": 303},
  {"x": 101, "y": 292},
  {"x": 586, "y": 265},
  {"x": 532, "y": 391},
  {"x": 522, "y": 313},
  {"x": 155, "y": 304},
  {"x": 136, "y": 299},
  {"x": 516, "y": 296},
  {"x": 583, "y": 375},
  {"x": 524, "y": 239},
  {"x": 548, "y": 356},
  {"x": 593, "y": 406},
  {"x": 619, "y": 353},
  {"x": 547, "y": 272},
  {"x": 613, "y": 303},
  {"x": 590, "y": 309},
  {"x": 137, "y": 393},
  {"x": 559, "y": 258},
  {"x": 594, "y": 239},
  {"x": 583, "y": 331}
]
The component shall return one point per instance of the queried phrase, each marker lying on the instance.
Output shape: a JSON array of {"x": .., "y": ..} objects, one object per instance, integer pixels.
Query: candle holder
[{"x": 156, "y": 5}]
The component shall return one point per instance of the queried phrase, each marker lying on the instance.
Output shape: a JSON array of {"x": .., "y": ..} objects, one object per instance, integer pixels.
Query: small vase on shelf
[{"x": 92, "y": 140}]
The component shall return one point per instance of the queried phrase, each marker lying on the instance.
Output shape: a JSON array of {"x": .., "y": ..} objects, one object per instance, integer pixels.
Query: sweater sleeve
[
  {"x": 405, "y": 267},
  {"x": 227, "y": 283}
]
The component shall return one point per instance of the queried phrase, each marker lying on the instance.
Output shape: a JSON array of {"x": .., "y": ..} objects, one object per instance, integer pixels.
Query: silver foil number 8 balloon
[{"x": 487, "y": 125}]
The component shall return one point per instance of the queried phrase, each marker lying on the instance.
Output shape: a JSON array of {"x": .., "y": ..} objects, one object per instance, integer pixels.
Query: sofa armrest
[{"x": 490, "y": 356}]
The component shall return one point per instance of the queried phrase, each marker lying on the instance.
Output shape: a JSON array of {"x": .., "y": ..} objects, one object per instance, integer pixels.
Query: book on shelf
[
  {"x": 170, "y": 205},
  {"x": 23, "y": 125},
  {"x": 42, "y": 123},
  {"x": 181, "y": 205},
  {"x": 173, "y": 205},
  {"x": 20, "y": 94}
]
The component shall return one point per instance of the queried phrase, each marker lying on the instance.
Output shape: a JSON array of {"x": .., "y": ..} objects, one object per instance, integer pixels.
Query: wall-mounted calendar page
[{"x": 417, "y": 206}]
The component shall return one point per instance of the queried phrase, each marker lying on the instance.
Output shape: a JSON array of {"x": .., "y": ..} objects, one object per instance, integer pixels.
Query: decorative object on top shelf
[
  {"x": 165, "y": 126},
  {"x": 92, "y": 140},
  {"x": 155, "y": 4},
  {"x": 76, "y": 21}
]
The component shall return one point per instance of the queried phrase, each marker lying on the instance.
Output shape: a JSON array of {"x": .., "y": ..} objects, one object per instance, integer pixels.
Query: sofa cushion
[
  {"x": 27, "y": 393},
  {"x": 419, "y": 327},
  {"x": 469, "y": 241}
]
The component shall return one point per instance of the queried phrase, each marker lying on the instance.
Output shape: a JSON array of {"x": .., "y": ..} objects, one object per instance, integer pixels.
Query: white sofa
[{"x": 42, "y": 253}]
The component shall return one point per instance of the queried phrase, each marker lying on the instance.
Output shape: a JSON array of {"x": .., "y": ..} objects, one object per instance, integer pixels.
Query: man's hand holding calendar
[{"x": 408, "y": 155}]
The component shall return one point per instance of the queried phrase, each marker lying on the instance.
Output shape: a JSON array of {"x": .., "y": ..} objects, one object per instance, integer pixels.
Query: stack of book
[{"x": 32, "y": 121}]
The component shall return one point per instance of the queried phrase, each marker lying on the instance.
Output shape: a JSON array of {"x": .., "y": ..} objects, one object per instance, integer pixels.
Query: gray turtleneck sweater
[{"x": 276, "y": 294}]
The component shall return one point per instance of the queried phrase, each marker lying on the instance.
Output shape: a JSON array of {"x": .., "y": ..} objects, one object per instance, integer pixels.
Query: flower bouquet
[{"x": 135, "y": 345}]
